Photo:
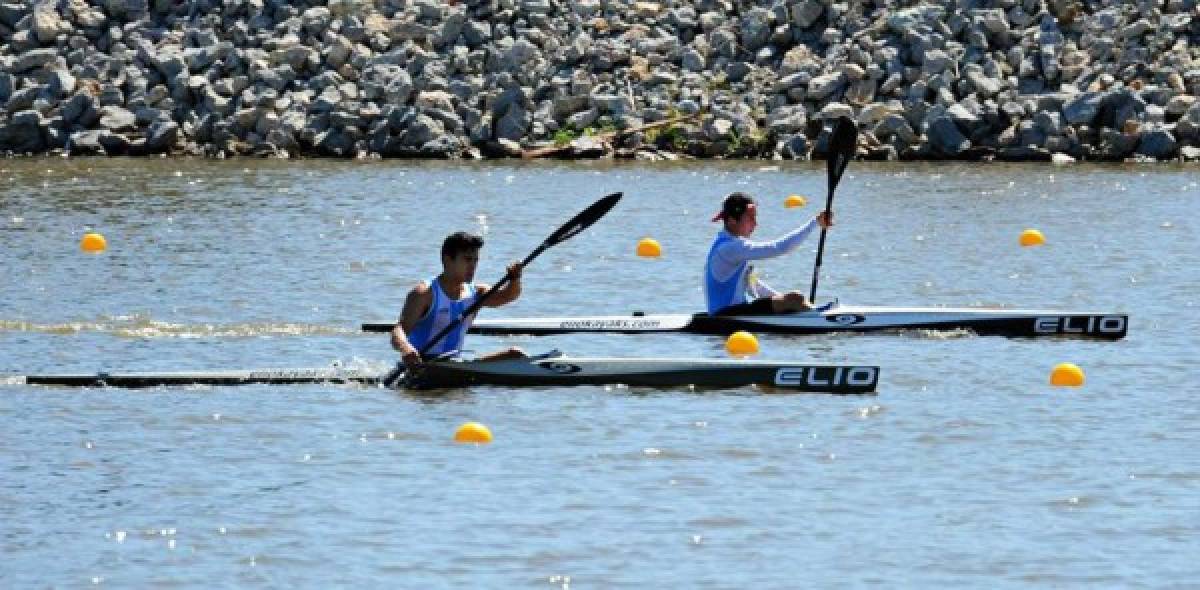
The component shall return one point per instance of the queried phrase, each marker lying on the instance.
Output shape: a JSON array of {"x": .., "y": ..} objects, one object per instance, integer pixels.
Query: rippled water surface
[{"x": 966, "y": 469}]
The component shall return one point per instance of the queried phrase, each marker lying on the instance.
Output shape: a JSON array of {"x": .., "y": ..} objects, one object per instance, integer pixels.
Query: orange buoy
[
  {"x": 93, "y": 243},
  {"x": 793, "y": 201},
  {"x": 1066, "y": 375},
  {"x": 649, "y": 248},
  {"x": 473, "y": 432},
  {"x": 741, "y": 343},
  {"x": 1032, "y": 237}
]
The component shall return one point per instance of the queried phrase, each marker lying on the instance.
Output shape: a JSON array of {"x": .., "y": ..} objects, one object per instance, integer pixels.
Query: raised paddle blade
[
  {"x": 569, "y": 230},
  {"x": 841, "y": 149},
  {"x": 584, "y": 220}
]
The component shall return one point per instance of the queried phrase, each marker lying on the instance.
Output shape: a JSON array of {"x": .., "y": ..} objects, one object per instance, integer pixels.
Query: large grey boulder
[
  {"x": 87, "y": 143},
  {"x": 60, "y": 83},
  {"x": 1118, "y": 108},
  {"x": 443, "y": 146},
  {"x": 74, "y": 108},
  {"x": 513, "y": 124},
  {"x": 1082, "y": 108},
  {"x": 33, "y": 59},
  {"x": 895, "y": 125},
  {"x": 334, "y": 142},
  {"x": 825, "y": 86},
  {"x": 945, "y": 138},
  {"x": 161, "y": 136},
  {"x": 616, "y": 104},
  {"x": 12, "y": 12},
  {"x": 47, "y": 23},
  {"x": 1115, "y": 145},
  {"x": 583, "y": 119},
  {"x": 795, "y": 147},
  {"x": 422, "y": 130},
  {"x": 23, "y": 133},
  {"x": 116, "y": 118},
  {"x": 787, "y": 120},
  {"x": 755, "y": 29},
  {"x": 24, "y": 98},
  {"x": 805, "y": 13},
  {"x": 1158, "y": 143}
]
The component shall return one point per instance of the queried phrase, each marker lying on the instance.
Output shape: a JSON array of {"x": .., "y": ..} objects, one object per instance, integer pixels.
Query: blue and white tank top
[
  {"x": 441, "y": 312},
  {"x": 721, "y": 292}
]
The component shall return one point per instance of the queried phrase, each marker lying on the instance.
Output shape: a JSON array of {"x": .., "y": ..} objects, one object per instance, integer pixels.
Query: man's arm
[
  {"x": 734, "y": 252},
  {"x": 509, "y": 292},
  {"x": 416, "y": 305},
  {"x": 748, "y": 250},
  {"x": 759, "y": 288}
]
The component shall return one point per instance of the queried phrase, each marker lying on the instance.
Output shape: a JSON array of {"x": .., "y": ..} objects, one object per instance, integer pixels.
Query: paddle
[
  {"x": 841, "y": 149},
  {"x": 569, "y": 230}
]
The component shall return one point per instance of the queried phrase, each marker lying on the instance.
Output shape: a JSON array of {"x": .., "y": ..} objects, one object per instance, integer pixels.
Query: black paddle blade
[
  {"x": 841, "y": 148},
  {"x": 584, "y": 220}
]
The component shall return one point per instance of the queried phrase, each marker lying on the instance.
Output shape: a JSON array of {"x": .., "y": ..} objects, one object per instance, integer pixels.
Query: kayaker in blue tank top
[
  {"x": 728, "y": 285},
  {"x": 432, "y": 305}
]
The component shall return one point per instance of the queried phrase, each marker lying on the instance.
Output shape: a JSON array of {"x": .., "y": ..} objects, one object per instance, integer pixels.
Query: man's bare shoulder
[{"x": 420, "y": 292}]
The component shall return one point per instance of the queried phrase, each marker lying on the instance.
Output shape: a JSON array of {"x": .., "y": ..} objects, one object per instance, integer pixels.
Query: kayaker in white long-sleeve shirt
[{"x": 728, "y": 288}]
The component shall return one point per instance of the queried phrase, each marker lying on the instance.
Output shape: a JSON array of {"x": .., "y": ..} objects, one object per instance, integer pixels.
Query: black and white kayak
[
  {"x": 552, "y": 369},
  {"x": 830, "y": 319},
  {"x": 560, "y": 370}
]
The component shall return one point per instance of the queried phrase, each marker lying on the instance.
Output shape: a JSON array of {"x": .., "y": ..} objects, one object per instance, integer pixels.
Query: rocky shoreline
[{"x": 947, "y": 79}]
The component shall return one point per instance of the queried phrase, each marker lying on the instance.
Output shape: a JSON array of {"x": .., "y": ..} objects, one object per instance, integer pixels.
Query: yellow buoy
[
  {"x": 1032, "y": 237},
  {"x": 473, "y": 432},
  {"x": 794, "y": 201},
  {"x": 93, "y": 242},
  {"x": 649, "y": 248},
  {"x": 1066, "y": 375},
  {"x": 741, "y": 343}
]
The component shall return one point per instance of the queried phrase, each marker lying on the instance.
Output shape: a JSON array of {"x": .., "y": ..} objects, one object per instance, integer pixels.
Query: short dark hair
[
  {"x": 459, "y": 242},
  {"x": 734, "y": 206}
]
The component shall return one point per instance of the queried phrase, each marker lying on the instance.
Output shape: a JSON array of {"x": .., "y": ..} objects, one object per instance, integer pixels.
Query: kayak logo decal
[
  {"x": 846, "y": 319},
  {"x": 819, "y": 377},
  {"x": 1091, "y": 324},
  {"x": 609, "y": 324},
  {"x": 560, "y": 368}
]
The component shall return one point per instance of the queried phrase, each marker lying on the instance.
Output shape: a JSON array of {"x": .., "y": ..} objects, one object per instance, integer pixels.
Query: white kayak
[{"x": 829, "y": 319}]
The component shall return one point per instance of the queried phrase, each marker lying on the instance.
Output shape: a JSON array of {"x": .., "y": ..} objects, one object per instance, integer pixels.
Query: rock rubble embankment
[{"x": 946, "y": 79}]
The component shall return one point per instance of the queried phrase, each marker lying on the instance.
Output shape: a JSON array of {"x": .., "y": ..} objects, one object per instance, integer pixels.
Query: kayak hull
[
  {"x": 558, "y": 370},
  {"x": 548, "y": 370},
  {"x": 1015, "y": 323}
]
